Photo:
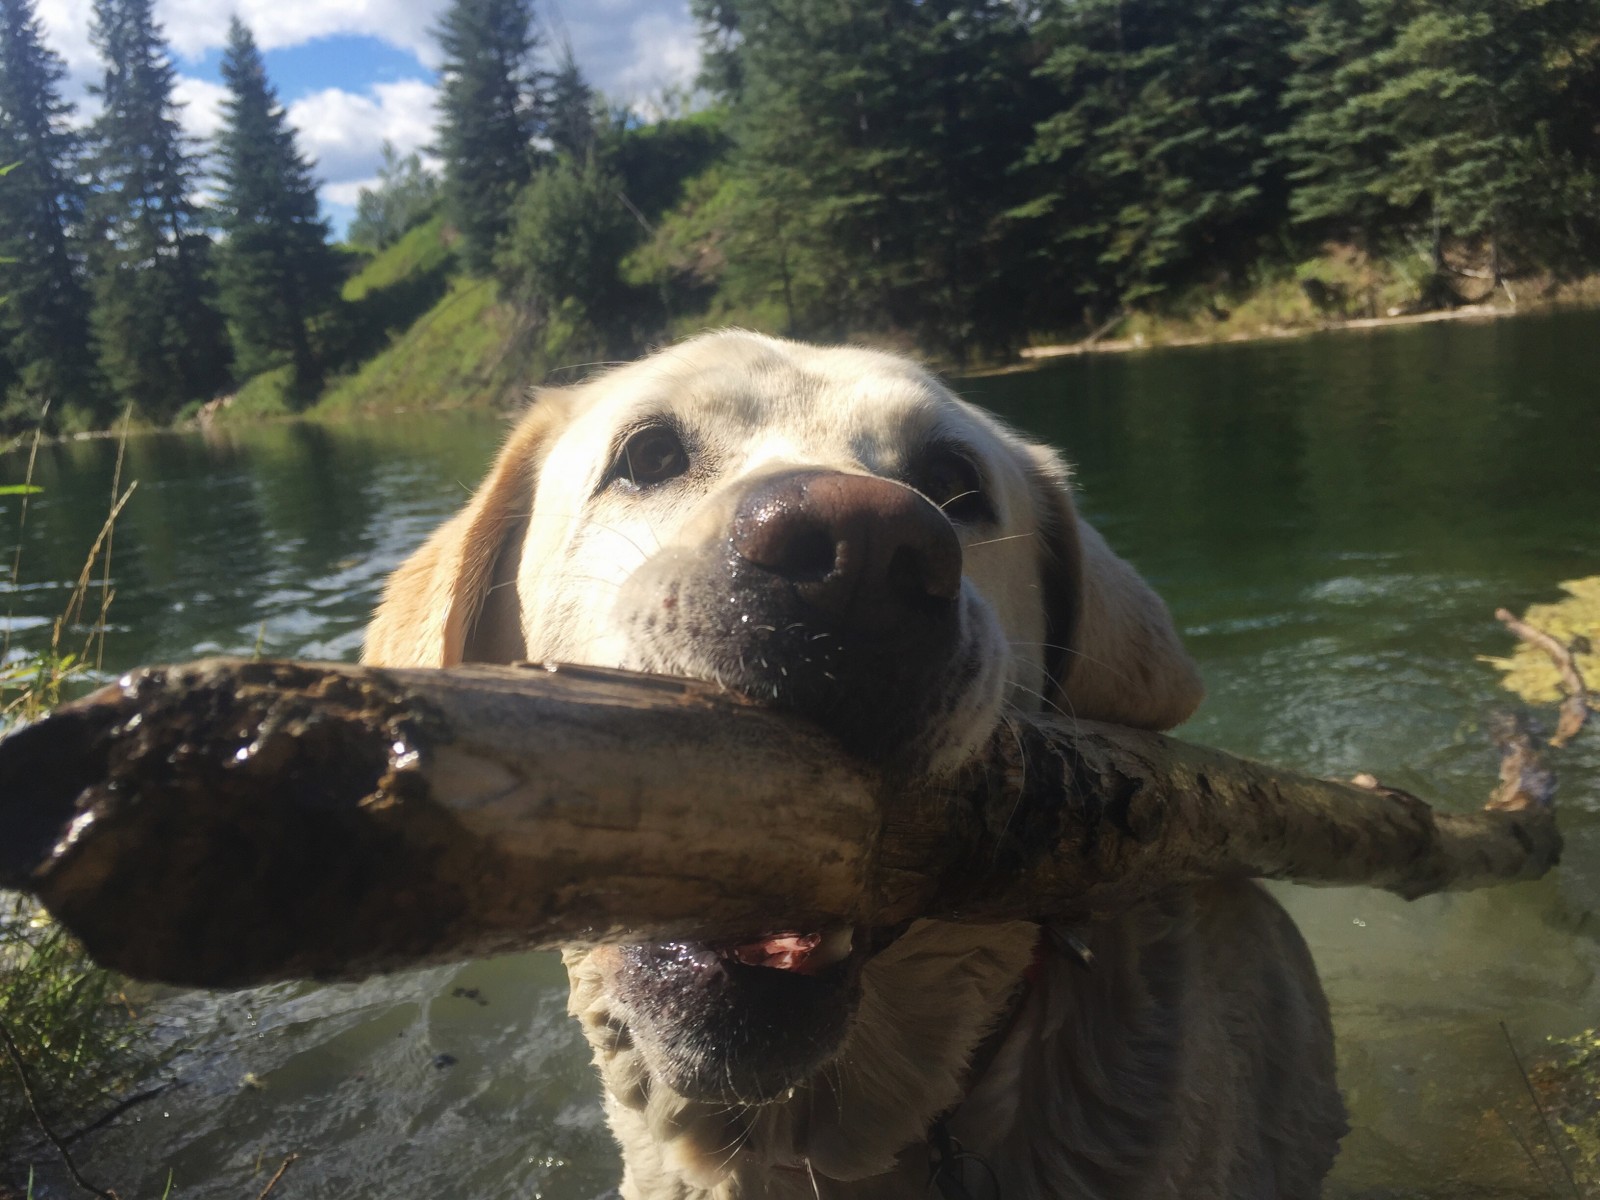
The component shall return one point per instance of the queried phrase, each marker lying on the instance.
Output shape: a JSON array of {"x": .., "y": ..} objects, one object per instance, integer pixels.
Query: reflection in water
[{"x": 1333, "y": 521}]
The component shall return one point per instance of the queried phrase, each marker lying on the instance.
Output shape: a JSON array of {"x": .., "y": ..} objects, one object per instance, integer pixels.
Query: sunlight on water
[{"x": 1333, "y": 521}]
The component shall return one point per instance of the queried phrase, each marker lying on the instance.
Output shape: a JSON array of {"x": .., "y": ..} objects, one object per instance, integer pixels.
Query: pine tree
[
  {"x": 275, "y": 268},
  {"x": 160, "y": 339},
  {"x": 1338, "y": 155},
  {"x": 1449, "y": 122},
  {"x": 872, "y": 142},
  {"x": 571, "y": 120},
  {"x": 491, "y": 107},
  {"x": 1159, "y": 156},
  {"x": 45, "y": 318}
]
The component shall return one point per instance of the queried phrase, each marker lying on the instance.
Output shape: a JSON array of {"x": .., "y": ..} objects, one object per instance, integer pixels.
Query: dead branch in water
[
  {"x": 226, "y": 822},
  {"x": 1575, "y": 704}
]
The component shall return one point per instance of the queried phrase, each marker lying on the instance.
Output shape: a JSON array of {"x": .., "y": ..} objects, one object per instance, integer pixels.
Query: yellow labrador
[{"x": 831, "y": 530}]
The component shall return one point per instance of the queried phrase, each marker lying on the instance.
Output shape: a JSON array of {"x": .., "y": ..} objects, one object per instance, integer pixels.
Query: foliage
[
  {"x": 570, "y": 230},
  {"x": 469, "y": 349},
  {"x": 407, "y": 195},
  {"x": 492, "y": 104},
  {"x": 44, "y": 325},
  {"x": 1456, "y": 120},
  {"x": 275, "y": 268},
  {"x": 1155, "y": 155},
  {"x": 66, "y": 1016},
  {"x": 959, "y": 175},
  {"x": 572, "y": 121},
  {"x": 158, "y": 335},
  {"x": 393, "y": 289},
  {"x": 62, "y": 1011},
  {"x": 872, "y": 145}
]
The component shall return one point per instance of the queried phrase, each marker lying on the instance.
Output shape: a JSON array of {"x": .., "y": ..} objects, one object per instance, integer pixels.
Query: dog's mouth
[
  {"x": 802, "y": 953},
  {"x": 743, "y": 1020}
]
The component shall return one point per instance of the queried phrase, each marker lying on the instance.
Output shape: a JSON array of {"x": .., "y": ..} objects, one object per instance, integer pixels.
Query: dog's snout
[{"x": 864, "y": 551}]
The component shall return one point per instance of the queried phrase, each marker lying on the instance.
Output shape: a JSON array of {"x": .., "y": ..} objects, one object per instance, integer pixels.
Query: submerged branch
[
  {"x": 1575, "y": 704},
  {"x": 227, "y": 823}
]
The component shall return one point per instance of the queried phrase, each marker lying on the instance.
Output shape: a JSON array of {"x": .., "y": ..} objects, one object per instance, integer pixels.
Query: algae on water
[{"x": 1573, "y": 621}]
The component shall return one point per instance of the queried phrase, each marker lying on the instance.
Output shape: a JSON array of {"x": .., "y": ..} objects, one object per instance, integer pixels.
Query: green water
[{"x": 1333, "y": 520}]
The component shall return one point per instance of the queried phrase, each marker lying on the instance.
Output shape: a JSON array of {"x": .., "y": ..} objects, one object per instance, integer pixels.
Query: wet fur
[{"x": 1193, "y": 1059}]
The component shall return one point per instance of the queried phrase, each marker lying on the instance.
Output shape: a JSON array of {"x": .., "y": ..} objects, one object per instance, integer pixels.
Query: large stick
[{"x": 227, "y": 823}]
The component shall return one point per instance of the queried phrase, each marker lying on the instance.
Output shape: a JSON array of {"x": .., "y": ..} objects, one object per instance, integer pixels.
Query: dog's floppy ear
[
  {"x": 1113, "y": 654},
  {"x": 455, "y": 599}
]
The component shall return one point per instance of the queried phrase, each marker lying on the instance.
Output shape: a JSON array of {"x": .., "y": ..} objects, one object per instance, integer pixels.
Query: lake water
[{"x": 1333, "y": 521}]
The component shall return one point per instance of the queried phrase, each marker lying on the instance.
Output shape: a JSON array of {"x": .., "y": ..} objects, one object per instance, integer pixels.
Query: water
[{"x": 1333, "y": 520}]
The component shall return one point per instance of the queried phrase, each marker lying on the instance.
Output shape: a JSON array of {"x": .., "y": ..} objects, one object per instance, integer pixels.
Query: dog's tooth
[{"x": 836, "y": 945}]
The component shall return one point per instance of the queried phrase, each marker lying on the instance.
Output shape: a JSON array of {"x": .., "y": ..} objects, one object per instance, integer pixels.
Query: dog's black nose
[{"x": 863, "y": 551}]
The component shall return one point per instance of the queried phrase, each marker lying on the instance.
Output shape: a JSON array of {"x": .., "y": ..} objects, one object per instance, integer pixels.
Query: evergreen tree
[
  {"x": 571, "y": 122},
  {"x": 160, "y": 339},
  {"x": 1338, "y": 155},
  {"x": 491, "y": 107},
  {"x": 570, "y": 231},
  {"x": 1158, "y": 158},
  {"x": 1450, "y": 121},
  {"x": 872, "y": 142},
  {"x": 45, "y": 318},
  {"x": 276, "y": 269}
]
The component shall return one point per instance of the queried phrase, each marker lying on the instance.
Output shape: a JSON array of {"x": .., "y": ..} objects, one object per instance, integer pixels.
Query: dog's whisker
[
  {"x": 1010, "y": 537},
  {"x": 1077, "y": 653},
  {"x": 1045, "y": 700},
  {"x": 1022, "y": 758},
  {"x": 958, "y": 496}
]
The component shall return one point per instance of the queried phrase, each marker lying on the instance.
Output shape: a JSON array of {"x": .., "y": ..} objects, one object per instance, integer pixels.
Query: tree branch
[
  {"x": 226, "y": 823},
  {"x": 1575, "y": 707}
]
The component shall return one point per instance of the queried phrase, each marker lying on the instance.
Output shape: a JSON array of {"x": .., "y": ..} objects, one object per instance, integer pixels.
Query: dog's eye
[
  {"x": 952, "y": 481},
  {"x": 650, "y": 456}
]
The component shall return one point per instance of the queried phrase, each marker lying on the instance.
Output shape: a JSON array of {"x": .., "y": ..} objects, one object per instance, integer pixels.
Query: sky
[{"x": 356, "y": 72}]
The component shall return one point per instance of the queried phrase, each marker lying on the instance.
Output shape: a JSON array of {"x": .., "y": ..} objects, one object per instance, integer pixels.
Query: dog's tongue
[{"x": 802, "y": 953}]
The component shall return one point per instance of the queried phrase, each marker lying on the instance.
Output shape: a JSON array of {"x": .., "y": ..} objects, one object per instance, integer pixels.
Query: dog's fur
[{"x": 1192, "y": 1058}]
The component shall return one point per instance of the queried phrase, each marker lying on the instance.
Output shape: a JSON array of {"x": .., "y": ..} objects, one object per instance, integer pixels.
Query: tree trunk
[{"x": 227, "y": 823}]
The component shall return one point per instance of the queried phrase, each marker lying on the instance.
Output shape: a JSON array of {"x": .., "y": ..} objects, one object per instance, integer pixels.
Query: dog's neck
[{"x": 931, "y": 1004}]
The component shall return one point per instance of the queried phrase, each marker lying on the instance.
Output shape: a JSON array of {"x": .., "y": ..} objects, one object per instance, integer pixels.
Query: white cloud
[
  {"x": 630, "y": 50},
  {"x": 193, "y": 27},
  {"x": 344, "y": 195},
  {"x": 344, "y": 131},
  {"x": 201, "y": 102}
]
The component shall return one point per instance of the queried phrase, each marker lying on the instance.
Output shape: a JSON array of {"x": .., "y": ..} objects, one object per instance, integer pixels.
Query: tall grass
[{"x": 66, "y": 1031}]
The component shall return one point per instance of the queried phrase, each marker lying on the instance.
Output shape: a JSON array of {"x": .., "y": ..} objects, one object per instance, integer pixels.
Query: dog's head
[{"x": 830, "y": 531}]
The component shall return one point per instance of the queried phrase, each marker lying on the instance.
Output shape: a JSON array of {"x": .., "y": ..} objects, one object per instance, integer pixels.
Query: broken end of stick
[
  {"x": 44, "y": 769},
  {"x": 225, "y": 823}
]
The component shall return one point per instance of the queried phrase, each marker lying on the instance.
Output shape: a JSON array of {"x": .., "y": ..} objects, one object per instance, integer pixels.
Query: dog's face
[{"x": 827, "y": 530}]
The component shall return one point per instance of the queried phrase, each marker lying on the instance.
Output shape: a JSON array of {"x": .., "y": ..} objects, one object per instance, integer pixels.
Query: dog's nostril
[
  {"x": 809, "y": 555},
  {"x": 916, "y": 575}
]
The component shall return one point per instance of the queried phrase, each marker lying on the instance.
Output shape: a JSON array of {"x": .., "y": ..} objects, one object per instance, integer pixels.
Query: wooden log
[{"x": 227, "y": 823}]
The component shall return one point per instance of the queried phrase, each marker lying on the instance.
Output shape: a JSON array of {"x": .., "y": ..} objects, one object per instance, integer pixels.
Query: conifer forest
[{"x": 962, "y": 178}]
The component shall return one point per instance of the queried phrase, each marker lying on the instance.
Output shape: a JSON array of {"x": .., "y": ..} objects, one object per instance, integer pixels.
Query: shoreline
[
  {"x": 1030, "y": 358},
  {"x": 1034, "y": 357}
]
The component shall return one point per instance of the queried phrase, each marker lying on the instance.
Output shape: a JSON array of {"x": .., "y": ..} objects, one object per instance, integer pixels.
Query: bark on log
[{"x": 227, "y": 823}]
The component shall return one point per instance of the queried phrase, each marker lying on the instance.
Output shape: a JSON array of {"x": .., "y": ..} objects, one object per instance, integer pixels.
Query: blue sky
[{"x": 356, "y": 72}]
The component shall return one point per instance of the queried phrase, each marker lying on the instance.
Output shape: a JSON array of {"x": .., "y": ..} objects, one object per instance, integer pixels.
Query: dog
[{"x": 832, "y": 531}]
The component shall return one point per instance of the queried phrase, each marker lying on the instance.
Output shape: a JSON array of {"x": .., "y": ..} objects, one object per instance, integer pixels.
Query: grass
[
  {"x": 390, "y": 293},
  {"x": 469, "y": 350},
  {"x": 1339, "y": 284},
  {"x": 422, "y": 251},
  {"x": 68, "y": 1039}
]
